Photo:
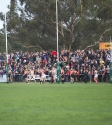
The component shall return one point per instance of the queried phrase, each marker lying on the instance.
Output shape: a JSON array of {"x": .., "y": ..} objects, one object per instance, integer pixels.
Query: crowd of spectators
[{"x": 77, "y": 62}]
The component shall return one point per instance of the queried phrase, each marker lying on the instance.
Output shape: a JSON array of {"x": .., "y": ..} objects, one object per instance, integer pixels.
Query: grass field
[{"x": 56, "y": 104}]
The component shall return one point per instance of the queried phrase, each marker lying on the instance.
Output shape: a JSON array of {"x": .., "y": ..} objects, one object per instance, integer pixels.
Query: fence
[
  {"x": 20, "y": 78},
  {"x": 3, "y": 78}
]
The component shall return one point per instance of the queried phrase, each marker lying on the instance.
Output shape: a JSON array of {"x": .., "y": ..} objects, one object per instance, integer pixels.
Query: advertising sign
[{"x": 105, "y": 45}]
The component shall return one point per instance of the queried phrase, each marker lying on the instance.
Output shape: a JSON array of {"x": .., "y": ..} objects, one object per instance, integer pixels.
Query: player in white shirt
[
  {"x": 32, "y": 74},
  {"x": 96, "y": 76}
]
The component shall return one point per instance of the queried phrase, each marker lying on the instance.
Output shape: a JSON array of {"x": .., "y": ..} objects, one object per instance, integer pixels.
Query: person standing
[
  {"x": 42, "y": 77},
  {"x": 67, "y": 75},
  {"x": 32, "y": 77},
  {"x": 10, "y": 75},
  {"x": 73, "y": 75},
  {"x": 96, "y": 77},
  {"x": 104, "y": 72},
  {"x": 62, "y": 75},
  {"x": 108, "y": 73},
  {"x": 85, "y": 78},
  {"x": 99, "y": 74},
  {"x": 54, "y": 74},
  {"x": 26, "y": 72}
]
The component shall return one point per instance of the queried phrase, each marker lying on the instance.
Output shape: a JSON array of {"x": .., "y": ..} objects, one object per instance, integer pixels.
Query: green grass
[{"x": 56, "y": 104}]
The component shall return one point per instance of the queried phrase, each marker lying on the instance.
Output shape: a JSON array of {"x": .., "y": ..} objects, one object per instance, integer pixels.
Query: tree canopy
[{"x": 82, "y": 23}]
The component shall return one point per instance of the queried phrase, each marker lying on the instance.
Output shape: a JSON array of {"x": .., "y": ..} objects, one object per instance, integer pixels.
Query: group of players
[{"x": 73, "y": 74}]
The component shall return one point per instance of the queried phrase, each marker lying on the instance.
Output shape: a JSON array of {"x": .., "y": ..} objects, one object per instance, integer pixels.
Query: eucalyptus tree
[
  {"x": 98, "y": 22},
  {"x": 43, "y": 12},
  {"x": 3, "y": 44},
  {"x": 82, "y": 23}
]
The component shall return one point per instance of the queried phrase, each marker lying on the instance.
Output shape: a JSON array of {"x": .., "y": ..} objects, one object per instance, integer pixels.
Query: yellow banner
[{"x": 105, "y": 45}]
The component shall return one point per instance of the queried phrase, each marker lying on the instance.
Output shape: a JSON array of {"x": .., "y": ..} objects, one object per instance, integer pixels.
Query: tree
[
  {"x": 100, "y": 22},
  {"x": 82, "y": 23},
  {"x": 69, "y": 15},
  {"x": 3, "y": 44}
]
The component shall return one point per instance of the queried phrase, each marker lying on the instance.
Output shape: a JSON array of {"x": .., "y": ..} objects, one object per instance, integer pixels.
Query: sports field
[{"x": 56, "y": 104}]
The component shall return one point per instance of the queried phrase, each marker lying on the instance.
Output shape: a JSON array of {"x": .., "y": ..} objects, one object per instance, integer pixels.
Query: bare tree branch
[
  {"x": 99, "y": 38},
  {"x": 51, "y": 26},
  {"x": 32, "y": 47}
]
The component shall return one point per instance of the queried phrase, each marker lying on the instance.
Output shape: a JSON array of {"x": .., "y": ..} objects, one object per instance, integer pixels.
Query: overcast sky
[{"x": 3, "y": 8}]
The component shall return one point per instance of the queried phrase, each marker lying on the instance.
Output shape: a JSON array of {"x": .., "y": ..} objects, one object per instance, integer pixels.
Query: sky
[{"x": 3, "y": 8}]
